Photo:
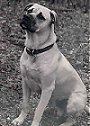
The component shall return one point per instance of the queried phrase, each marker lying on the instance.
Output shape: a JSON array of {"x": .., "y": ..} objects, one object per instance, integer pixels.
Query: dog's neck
[{"x": 40, "y": 40}]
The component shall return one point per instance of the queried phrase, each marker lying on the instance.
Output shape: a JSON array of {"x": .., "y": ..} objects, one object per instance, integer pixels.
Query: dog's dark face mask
[
  {"x": 35, "y": 19},
  {"x": 28, "y": 23}
]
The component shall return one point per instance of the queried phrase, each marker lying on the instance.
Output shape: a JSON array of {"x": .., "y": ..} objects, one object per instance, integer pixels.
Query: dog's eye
[
  {"x": 40, "y": 16},
  {"x": 30, "y": 11}
]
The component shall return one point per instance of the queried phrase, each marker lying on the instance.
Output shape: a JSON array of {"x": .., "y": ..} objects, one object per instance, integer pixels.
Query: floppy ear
[
  {"x": 53, "y": 17},
  {"x": 28, "y": 6}
]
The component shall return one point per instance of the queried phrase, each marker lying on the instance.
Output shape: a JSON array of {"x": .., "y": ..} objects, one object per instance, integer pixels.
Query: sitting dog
[{"x": 44, "y": 67}]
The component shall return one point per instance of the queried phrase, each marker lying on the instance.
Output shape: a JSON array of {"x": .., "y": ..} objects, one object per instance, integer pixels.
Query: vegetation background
[{"x": 73, "y": 41}]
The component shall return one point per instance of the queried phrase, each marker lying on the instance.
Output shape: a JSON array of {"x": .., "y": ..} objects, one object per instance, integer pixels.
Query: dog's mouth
[{"x": 28, "y": 23}]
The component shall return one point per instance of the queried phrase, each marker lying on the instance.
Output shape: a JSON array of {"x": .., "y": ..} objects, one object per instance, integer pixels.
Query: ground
[{"x": 72, "y": 30}]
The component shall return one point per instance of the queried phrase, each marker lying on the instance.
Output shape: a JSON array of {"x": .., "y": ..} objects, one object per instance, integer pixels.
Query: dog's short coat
[{"x": 48, "y": 71}]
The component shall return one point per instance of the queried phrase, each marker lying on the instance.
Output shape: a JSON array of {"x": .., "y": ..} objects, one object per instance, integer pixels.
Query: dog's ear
[
  {"x": 54, "y": 20},
  {"x": 53, "y": 17},
  {"x": 28, "y": 6}
]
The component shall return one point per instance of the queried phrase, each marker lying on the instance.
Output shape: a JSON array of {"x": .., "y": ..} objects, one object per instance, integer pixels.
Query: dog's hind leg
[
  {"x": 75, "y": 107},
  {"x": 25, "y": 108}
]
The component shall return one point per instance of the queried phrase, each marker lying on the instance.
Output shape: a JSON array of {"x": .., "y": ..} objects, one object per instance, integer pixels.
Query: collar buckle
[{"x": 33, "y": 50}]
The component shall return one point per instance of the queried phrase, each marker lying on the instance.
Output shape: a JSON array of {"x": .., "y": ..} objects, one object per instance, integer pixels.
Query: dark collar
[{"x": 34, "y": 52}]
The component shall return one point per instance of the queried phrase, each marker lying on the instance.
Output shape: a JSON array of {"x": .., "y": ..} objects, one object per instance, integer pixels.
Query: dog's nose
[
  {"x": 29, "y": 18},
  {"x": 28, "y": 23}
]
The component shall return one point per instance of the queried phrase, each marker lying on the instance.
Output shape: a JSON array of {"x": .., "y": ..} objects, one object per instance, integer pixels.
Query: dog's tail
[{"x": 87, "y": 109}]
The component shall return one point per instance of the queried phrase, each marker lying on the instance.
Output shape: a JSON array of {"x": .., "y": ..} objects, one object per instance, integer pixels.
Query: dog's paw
[
  {"x": 17, "y": 122},
  {"x": 71, "y": 123},
  {"x": 35, "y": 124}
]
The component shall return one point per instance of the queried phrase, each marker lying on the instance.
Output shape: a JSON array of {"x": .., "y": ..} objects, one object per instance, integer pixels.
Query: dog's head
[{"x": 37, "y": 18}]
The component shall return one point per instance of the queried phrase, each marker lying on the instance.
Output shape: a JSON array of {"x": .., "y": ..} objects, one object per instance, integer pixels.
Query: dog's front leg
[
  {"x": 45, "y": 97},
  {"x": 25, "y": 107}
]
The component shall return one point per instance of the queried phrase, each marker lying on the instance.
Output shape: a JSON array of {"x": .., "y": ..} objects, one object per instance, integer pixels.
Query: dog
[{"x": 44, "y": 68}]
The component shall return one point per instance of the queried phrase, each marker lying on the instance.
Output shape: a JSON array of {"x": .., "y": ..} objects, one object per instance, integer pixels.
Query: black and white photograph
[{"x": 44, "y": 62}]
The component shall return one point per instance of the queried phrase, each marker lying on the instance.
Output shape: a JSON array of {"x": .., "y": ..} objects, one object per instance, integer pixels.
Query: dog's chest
[{"x": 31, "y": 72}]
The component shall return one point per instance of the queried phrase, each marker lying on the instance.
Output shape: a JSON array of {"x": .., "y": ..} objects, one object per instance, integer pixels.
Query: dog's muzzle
[{"x": 28, "y": 23}]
